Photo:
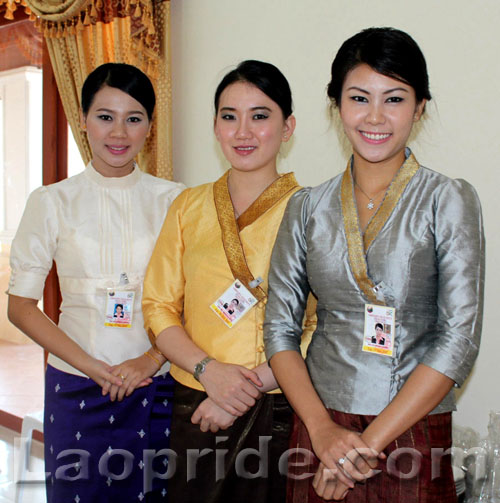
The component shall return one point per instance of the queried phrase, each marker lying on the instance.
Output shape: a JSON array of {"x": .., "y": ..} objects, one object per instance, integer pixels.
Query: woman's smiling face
[
  {"x": 250, "y": 127},
  {"x": 378, "y": 113},
  {"x": 117, "y": 126}
]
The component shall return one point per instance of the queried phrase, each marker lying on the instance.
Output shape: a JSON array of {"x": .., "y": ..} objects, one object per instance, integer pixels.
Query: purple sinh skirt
[{"x": 102, "y": 451}]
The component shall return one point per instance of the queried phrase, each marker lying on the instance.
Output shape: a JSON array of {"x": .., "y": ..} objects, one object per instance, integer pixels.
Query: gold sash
[
  {"x": 356, "y": 244},
  {"x": 231, "y": 228}
]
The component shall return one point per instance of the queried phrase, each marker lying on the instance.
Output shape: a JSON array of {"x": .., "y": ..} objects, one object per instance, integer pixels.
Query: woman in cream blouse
[{"x": 99, "y": 227}]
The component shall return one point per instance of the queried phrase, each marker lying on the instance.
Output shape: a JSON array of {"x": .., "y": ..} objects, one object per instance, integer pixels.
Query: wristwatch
[{"x": 200, "y": 367}]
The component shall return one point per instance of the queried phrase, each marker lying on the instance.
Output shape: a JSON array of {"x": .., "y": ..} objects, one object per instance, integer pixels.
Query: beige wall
[{"x": 461, "y": 42}]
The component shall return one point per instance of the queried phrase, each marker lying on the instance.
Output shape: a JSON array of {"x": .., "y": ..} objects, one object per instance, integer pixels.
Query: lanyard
[
  {"x": 357, "y": 244},
  {"x": 231, "y": 227}
]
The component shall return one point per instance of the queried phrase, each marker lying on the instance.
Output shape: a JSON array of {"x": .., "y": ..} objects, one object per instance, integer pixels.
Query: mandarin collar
[{"x": 119, "y": 182}]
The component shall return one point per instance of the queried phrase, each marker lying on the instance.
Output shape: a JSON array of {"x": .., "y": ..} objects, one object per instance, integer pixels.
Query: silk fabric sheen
[
  {"x": 429, "y": 256},
  {"x": 189, "y": 271},
  {"x": 78, "y": 420},
  {"x": 408, "y": 477},
  {"x": 95, "y": 228},
  {"x": 264, "y": 429}
]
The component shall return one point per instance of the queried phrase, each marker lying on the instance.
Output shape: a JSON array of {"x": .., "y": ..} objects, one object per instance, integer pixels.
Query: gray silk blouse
[{"x": 428, "y": 259}]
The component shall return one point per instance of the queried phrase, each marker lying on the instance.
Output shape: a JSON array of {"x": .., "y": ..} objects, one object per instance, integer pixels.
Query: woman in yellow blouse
[{"x": 215, "y": 246}]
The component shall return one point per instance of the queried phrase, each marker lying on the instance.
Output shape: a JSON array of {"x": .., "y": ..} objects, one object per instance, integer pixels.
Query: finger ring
[
  {"x": 122, "y": 377},
  {"x": 341, "y": 461}
]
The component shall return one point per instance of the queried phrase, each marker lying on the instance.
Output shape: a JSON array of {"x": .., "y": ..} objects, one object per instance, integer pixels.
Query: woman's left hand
[
  {"x": 134, "y": 373},
  {"x": 326, "y": 484},
  {"x": 344, "y": 452},
  {"x": 212, "y": 417}
]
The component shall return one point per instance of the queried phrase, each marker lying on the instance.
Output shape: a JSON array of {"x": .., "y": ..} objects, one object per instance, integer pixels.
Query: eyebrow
[
  {"x": 232, "y": 109},
  {"x": 112, "y": 111},
  {"x": 385, "y": 92}
]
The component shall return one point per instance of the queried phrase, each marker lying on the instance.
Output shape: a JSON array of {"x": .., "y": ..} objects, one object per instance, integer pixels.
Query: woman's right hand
[
  {"x": 232, "y": 387},
  {"x": 333, "y": 443},
  {"x": 101, "y": 373},
  {"x": 327, "y": 486},
  {"x": 134, "y": 373},
  {"x": 212, "y": 417}
]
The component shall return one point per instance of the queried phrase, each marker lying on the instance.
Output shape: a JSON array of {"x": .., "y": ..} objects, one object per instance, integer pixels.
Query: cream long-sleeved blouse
[{"x": 95, "y": 228}]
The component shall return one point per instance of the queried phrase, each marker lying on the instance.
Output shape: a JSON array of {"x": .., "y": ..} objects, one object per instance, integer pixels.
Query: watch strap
[{"x": 199, "y": 368}]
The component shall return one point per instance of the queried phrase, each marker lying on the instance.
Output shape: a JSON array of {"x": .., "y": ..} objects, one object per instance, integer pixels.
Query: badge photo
[
  {"x": 379, "y": 331},
  {"x": 233, "y": 304},
  {"x": 119, "y": 308}
]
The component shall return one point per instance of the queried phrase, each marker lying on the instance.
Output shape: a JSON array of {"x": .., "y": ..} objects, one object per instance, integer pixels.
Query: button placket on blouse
[{"x": 259, "y": 349}]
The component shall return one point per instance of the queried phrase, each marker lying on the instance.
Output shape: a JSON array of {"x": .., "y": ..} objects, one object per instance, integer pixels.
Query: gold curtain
[
  {"x": 83, "y": 34},
  {"x": 10, "y": 6}
]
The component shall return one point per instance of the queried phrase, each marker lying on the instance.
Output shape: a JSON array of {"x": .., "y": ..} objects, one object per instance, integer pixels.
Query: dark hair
[
  {"x": 379, "y": 325},
  {"x": 263, "y": 76},
  {"x": 236, "y": 300},
  {"x": 126, "y": 78},
  {"x": 388, "y": 51}
]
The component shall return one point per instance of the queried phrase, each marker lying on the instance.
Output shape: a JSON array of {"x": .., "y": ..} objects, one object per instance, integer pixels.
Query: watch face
[{"x": 199, "y": 368}]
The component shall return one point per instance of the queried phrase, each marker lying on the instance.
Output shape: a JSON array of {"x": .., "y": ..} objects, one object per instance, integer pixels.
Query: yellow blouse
[{"x": 189, "y": 270}]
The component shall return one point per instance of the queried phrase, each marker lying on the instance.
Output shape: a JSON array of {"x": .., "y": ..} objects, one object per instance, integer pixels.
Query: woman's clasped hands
[
  {"x": 345, "y": 459},
  {"x": 132, "y": 374},
  {"x": 232, "y": 390},
  {"x": 232, "y": 387},
  {"x": 211, "y": 417}
]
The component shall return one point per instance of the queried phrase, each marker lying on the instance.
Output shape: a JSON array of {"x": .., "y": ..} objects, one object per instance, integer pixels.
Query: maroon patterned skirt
[{"x": 416, "y": 469}]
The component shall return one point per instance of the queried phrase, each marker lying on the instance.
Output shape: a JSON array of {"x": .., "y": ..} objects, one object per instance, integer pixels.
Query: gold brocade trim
[
  {"x": 271, "y": 195},
  {"x": 356, "y": 244},
  {"x": 355, "y": 248},
  {"x": 231, "y": 241},
  {"x": 396, "y": 188}
]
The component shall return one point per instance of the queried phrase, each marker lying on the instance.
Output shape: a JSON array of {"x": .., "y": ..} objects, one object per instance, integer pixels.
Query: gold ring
[{"x": 122, "y": 377}]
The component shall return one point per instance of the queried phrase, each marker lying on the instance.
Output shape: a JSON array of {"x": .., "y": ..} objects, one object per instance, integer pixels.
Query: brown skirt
[
  {"x": 240, "y": 464},
  {"x": 415, "y": 469}
]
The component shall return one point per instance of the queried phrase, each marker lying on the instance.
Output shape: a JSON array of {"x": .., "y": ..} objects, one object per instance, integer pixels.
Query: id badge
[
  {"x": 233, "y": 304},
  {"x": 380, "y": 329},
  {"x": 119, "y": 308}
]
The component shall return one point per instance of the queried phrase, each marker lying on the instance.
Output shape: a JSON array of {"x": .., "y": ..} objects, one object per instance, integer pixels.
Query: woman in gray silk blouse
[{"x": 387, "y": 243}]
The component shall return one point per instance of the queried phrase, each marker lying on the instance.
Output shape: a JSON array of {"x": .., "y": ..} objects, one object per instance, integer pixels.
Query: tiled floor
[
  {"x": 21, "y": 391},
  {"x": 33, "y": 492},
  {"x": 21, "y": 378}
]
